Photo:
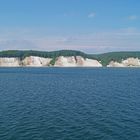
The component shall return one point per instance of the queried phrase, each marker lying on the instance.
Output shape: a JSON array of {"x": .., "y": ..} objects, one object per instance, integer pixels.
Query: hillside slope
[{"x": 105, "y": 59}]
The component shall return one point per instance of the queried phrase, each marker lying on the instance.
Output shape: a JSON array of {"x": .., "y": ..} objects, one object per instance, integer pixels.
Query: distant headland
[{"x": 68, "y": 58}]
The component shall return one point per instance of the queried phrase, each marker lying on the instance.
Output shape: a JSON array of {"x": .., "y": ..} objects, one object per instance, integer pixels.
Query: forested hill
[
  {"x": 115, "y": 56},
  {"x": 103, "y": 58},
  {"x": 52, "y": 54}
]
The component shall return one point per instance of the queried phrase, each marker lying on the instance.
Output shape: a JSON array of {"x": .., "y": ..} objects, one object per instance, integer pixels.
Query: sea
[{"x": 69, "y": 103}]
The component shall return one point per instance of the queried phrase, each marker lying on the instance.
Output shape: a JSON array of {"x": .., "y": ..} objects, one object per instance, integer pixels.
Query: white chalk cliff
[
  {"x": 61, "y": 61},
  {"x": 77, "y": 61},
  {"x": 35, "y": 61},
  {"x": 129, "y": 62},
  {"x": 9, "y": 62}
]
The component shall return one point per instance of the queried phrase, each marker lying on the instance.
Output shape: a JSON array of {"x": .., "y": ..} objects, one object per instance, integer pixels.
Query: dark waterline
[{"x": 69, "y": 104}]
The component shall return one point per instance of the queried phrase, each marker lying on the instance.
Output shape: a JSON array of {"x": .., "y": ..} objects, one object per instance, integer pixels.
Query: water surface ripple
[{"x": 69, "y": 104}]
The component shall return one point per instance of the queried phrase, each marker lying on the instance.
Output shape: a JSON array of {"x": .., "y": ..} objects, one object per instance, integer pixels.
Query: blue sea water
[{"x": 69, "y": 104}]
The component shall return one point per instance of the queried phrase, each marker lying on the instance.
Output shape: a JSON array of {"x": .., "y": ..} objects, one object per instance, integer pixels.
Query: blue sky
[{"x": 93, "y": 26}]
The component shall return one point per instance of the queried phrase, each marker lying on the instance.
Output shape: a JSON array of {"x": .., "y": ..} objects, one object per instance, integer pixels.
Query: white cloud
[
  {"x": 127, "y": 39},
  {"x": 132, "y": 17},
  {"x": 92, "y": 15}
]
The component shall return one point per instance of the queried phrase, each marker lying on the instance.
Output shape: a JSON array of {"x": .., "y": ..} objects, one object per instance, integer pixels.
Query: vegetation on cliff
[
  {"x": 106, "y": 58},
  {"x": 103, "y": 58}
]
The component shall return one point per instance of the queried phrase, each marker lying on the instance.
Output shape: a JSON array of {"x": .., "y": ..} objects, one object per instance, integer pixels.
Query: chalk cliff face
[
  {"x": 71, "y": 61},
  {"x": 35, "y": 61},
  {"x": 129, "y": 62},
  {"x": 77, "y": 61},
  {"x": 9, "y": 62},
  {"x": 65, "y": 61}
]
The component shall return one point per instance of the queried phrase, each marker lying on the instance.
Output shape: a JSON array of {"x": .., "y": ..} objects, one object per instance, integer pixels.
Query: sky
[{"x": 92, "y": 26}]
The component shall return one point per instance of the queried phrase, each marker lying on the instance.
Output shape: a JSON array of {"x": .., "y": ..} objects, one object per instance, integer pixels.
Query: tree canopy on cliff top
[{"x": 103, "y": 58}]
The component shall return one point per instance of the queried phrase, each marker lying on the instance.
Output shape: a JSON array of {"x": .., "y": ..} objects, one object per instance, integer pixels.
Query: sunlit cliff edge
[
  {"x": 68, "y": 58},
  {"x": 35, "y": 61}
]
